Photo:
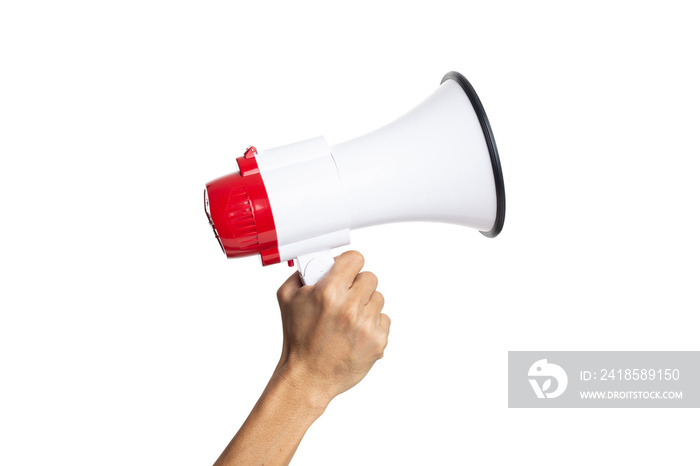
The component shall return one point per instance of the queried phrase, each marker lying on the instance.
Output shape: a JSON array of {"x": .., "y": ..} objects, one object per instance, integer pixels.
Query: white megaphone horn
[{"x": 437, "y": 163}]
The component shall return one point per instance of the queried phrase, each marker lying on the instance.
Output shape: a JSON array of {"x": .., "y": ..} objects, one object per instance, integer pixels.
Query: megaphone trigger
[{"x": 312, "y": 267}]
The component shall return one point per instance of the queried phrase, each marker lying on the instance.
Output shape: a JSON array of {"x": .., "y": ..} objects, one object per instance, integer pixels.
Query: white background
[{"x": 127, "y": 338}]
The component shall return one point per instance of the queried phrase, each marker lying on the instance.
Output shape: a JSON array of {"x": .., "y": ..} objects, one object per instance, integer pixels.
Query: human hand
[{"x": 334, "y": 331}]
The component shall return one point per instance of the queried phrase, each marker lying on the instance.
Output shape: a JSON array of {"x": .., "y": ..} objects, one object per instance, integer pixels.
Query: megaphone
[{"x": 294, "y": 203}]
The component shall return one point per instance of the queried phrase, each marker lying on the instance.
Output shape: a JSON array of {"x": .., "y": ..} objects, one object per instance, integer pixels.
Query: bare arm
[{"x": 334, "y": 332}]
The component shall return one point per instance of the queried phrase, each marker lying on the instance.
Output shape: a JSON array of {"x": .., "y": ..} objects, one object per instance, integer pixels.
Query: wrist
[{"x": 293, "y": 381}]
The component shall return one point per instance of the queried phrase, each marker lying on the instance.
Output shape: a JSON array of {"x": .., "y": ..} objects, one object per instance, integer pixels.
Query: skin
[{"x": 334, "y": 332}]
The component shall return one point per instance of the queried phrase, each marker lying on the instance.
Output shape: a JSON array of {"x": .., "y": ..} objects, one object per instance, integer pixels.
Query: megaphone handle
[{"x": 312, "y": 267}]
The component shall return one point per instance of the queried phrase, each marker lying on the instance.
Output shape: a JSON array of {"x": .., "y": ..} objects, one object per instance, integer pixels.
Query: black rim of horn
[{"x": 493, "y": 151}]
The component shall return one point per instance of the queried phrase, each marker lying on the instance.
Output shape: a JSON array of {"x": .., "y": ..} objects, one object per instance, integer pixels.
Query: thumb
[{"x": 289, "y": 288}]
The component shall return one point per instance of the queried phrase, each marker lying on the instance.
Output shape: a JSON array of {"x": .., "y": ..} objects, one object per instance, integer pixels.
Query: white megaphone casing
[{"x": 437, "y": 163}]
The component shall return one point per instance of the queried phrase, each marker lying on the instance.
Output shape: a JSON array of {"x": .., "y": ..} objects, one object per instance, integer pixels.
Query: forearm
[{"x": 272, "y": 432}]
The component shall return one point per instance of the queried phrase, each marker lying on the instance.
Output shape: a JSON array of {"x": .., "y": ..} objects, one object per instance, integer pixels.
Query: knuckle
[
  {"x": 327, "y": 295},
  {"x": 371, "y": 278},
  {"x": 355, "y": 256},
  {"x": 281, "y": 294},
  {"x": 379, "y": 298},
  {"x": 367, "y": 329},
  {"x": 381, "y": 338},
  {"x": 348, "y": 319},
  {"x": 385, "y": 324},
  {"x": 387, "y": 319}
]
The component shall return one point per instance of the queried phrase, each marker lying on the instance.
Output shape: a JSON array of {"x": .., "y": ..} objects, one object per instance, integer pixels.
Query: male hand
[{"x": 334, "y": 331}]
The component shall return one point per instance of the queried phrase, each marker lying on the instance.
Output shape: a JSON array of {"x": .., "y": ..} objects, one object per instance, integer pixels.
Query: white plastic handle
[{"x": 312, "y": 267}]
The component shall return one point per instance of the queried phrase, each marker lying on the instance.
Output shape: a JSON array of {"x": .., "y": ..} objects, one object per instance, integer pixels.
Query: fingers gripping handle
[{"x": 312, "y": 267}]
